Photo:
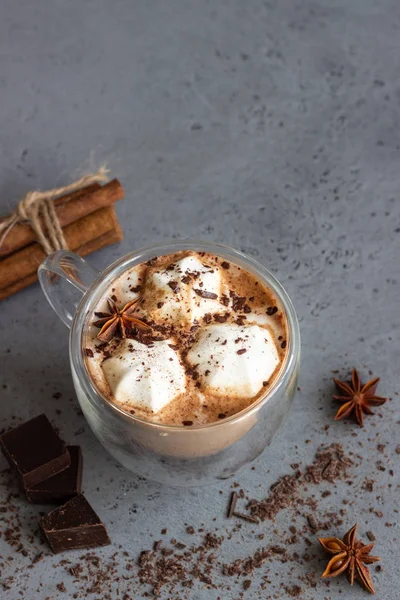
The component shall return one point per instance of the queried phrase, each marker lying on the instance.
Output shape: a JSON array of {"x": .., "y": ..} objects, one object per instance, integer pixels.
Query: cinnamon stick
[
  {"x": 110, "y": 237},
  {"x": 69, "y": 208},
  {"x": 24, "y": 263}
]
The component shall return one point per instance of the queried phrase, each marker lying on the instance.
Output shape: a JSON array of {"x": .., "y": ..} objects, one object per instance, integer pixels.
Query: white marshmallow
[
  {"x": 145, "y": 377},
  {"x": 223, "y": 369},
  {"x": 183, "y": 304}
]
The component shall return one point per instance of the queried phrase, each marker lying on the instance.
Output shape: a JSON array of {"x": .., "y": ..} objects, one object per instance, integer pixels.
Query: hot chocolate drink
[{"x": 185, "y": 339}]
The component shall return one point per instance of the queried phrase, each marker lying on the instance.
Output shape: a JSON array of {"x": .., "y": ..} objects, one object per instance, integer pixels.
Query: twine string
[{"x": 37, "y": 208}]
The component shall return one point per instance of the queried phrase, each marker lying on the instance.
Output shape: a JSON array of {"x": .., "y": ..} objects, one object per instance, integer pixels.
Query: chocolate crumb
[
  {"x": 37, "y": 558},
  {"x": 205, "y": 294},
  {"x": 312, "y": 522},
  {"x": 237, "y": 302},
  {"x": 294, "y": 591},
  {"x": 246, "y": 517},
  {"x": 174, "y": 286},
  {"x": 232, "y": 504},
  {"x": 241, "y": 351},
  {"x": 271, "y": 310},
  {"x": 225, "y": 265},
  {"x": 221, "y": 318},
  {"x": 89, "y": 352}
]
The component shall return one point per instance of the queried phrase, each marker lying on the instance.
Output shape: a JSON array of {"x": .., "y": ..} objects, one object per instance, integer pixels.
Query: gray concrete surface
[{"x": 272, "y": 126}]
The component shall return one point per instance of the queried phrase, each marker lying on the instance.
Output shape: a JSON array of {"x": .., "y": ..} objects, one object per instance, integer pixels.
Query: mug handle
[{"x": 65, "y": 277}]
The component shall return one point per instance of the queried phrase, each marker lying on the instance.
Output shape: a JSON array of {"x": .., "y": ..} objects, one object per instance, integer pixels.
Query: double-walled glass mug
[{"x": 175, "y": 455}]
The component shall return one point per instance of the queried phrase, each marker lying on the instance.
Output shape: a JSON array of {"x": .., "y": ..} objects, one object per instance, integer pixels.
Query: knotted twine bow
[{"x": 37, "y": 209}]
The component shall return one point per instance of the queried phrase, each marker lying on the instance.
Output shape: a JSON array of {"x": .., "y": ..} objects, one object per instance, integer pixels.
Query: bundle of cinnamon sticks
[{"x": 88, "y": 220}]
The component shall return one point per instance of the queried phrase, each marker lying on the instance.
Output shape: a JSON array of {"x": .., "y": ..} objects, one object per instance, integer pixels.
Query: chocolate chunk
[
  {"x": 221, "y": 318},
  {"x": 224, "y": 300},
  {"x": 241, "y": 351},
  {"x": 174, "y": 286},
  {"x": 225, "y": 265},
  {"x": 73, "y": 525},
  {"x": 271, "y": 310},
  {"x": 238, "y": 302},
  {"x": 61, "y": 487},
  {"x": 205, "y": 294},
  {"x": 35, "y": 451}
]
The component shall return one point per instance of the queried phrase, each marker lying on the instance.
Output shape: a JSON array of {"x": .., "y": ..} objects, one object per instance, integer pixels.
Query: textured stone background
[{"x": 272, "y": 126}]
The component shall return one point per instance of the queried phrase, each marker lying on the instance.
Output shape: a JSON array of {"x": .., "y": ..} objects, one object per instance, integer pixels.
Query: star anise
[
  {"x": 357, "y": 398},
  {"x": 350, "y": 556},
  {"x": 119, "y": 320}
]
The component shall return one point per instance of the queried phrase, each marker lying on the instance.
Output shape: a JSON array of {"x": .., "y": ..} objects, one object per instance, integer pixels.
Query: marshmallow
[
  {"x": 144, "y": 377},
  {"x": 179, "y": 294},
  {"x": 234, "y": 360}
]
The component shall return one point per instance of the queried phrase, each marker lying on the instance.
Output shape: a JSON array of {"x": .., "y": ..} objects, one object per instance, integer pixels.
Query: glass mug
[{"x": 170, "y": 454}]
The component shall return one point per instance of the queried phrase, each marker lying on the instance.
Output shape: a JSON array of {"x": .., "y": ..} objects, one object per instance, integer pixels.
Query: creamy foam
[{"x": 218, "y": 340}]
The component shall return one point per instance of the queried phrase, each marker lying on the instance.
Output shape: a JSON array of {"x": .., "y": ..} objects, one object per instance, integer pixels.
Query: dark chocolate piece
[
  {"x": 35, "y": 451},
  {"x": 205, "y": 294},
  {"x": 74, "y": 525},
  {"x": 61, "y": 487},
  {"x": 232, "y": 504}
]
